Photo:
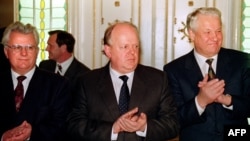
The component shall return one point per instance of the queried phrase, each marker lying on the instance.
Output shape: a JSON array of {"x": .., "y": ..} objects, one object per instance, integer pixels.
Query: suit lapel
[
  {"x": 223, "y": 65},
  {"x": 108, "y": 94},
  {"x": 32, "y": 94},
  {"x": 139, "y": 88},
  {"x": 71, "y": 69},
  {"x": 192, "y": 68}
]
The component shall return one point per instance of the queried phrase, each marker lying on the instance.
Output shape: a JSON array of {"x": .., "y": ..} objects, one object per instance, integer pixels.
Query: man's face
[
  {"x": 53, "y": 49},
  {"x": 207, "y": 35},
  {"x": 124, "y": 49},
  {"x": 23, "y": 59}
]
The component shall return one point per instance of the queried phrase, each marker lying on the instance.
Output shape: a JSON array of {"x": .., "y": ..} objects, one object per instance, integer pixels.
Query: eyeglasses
[{"x": 18, "y": 48}]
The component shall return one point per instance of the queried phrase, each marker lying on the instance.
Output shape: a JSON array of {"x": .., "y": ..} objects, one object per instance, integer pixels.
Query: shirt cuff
[
  {"x": 230, "y": 106},
  {"x": 142, "y": 134},
  {"x": 199, "y": 108},
  {"x": 139, "y": 133},
  {"x": 113, "y": 136}
]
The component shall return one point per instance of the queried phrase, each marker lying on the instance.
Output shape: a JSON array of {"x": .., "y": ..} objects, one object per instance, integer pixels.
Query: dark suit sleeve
[
  {"x": 79, "y": 125},
  {"x": 163, "y": 124},
  {"x": 239, "y": 86},
  {"x": 77, "y": 119},
  {"x": 187, "y": 111},
  {"x": 49, "y": 124}
]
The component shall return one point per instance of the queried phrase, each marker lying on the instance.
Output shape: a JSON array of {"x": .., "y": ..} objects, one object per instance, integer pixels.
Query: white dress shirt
[
  {"x": 201, "y": 60},
  {"x": 25, "y": 81},
  {"x": 117, "y": 83}
]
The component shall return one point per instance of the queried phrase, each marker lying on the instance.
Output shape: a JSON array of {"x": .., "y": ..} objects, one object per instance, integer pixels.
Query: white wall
[{"x": 156, "y": 20}]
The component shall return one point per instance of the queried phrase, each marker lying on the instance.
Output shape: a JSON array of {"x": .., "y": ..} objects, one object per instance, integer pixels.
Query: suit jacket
[
  {"x": 45, "y": 106},
  {"x": 96, "y": 107},
  {"x": 75, "y": 69},
  {"x": 184, "y": 75}
]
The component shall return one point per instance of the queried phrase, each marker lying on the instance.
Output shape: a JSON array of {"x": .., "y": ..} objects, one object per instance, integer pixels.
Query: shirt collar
[
  {"x": 28, "y": 74},
  {"x": 25, "y": 81},
  {"x": 65, "y": 65},
  {"x": 115, "y": 76},
  {"x": 201, "y": 60}
]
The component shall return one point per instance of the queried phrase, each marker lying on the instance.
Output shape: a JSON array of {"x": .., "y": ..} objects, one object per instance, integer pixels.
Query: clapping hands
[
  {"x": 131, "y": 121},
  {"x": 19, "y": 133}
]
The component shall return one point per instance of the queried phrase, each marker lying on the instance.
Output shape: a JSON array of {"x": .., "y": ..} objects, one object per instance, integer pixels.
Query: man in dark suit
[
  {"x": 44, "y": 102},
  {"x": 60, "y": 48},
  {"x": 207, "y": 102},
  {"x": 151, "y": 112}
]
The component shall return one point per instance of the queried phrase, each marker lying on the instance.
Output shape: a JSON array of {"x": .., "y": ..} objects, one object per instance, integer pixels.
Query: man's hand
[
  {"x": 135, "y": 125},
  {"x": 209, "y": 91},
  {"x": 131, "y": 122},
  {"x": 225, "y": 99},
  {"x": 19, "y": 133}
]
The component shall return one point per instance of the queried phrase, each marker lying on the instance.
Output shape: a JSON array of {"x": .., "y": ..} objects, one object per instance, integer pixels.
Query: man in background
[{"x": 61, "y": 59}]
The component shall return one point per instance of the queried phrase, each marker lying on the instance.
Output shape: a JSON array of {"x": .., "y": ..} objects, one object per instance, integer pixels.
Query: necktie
[
  {"x": 19, "y": 92},
  {"x": 59, "y": 71},
  {"x": 211, "y": 73},
  {"x": 124, "y": 96}
]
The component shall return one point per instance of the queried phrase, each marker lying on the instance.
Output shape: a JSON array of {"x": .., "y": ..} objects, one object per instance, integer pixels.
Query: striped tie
[
  {"x": 19, "y": 92},
  {"x": 211, "y": 73},
  {"x": 59, "y": 69}
]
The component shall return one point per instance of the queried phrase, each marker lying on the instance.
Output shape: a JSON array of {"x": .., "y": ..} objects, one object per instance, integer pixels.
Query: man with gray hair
[
  {"x": 210, "y": 84},
  {"x": 34, "y": 103}
]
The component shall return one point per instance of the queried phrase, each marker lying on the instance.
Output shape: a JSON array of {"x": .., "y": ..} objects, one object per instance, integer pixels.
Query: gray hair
[
  {"x": 193, "y": 16},
  {"x": 21, "y": 28}
]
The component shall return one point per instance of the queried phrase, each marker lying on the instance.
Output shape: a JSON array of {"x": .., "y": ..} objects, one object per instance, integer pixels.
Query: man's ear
[
  {"x": 6, "y": 52},
  {"x": 107, "y": 50},
  {"x": 63, "y": 47},
  {"x": 191, "y": 34}
]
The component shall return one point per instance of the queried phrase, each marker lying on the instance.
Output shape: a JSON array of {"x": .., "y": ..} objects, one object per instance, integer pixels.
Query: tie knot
[
  {"x": 21, "y": 78},
  {"x": 59, "y": 67},
  {"x": 209, "y": 61},
  {"x": 124, "y": 78}
]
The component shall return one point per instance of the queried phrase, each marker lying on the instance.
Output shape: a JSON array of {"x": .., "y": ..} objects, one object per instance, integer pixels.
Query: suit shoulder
[
  {"x": 148, "y": 71},
  {"x": 235, "y": 55},
  {"x": 81, "y": 65},
  {"x": 95, "y": 73},
  {"x": 178, "y": 62},
  {"x": 50, "y": 76},
  {"x": 46, "y": 62},
  {"x": 233, "y": 51}
]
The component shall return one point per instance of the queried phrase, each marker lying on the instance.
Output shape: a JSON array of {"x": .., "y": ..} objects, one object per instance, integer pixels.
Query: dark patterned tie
[
  {"x": 59, "y": 70},
  {"x": 19, "y": 92},
  {"x": 124, "y": 96},
  {"x": 211, "y": 73}
]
